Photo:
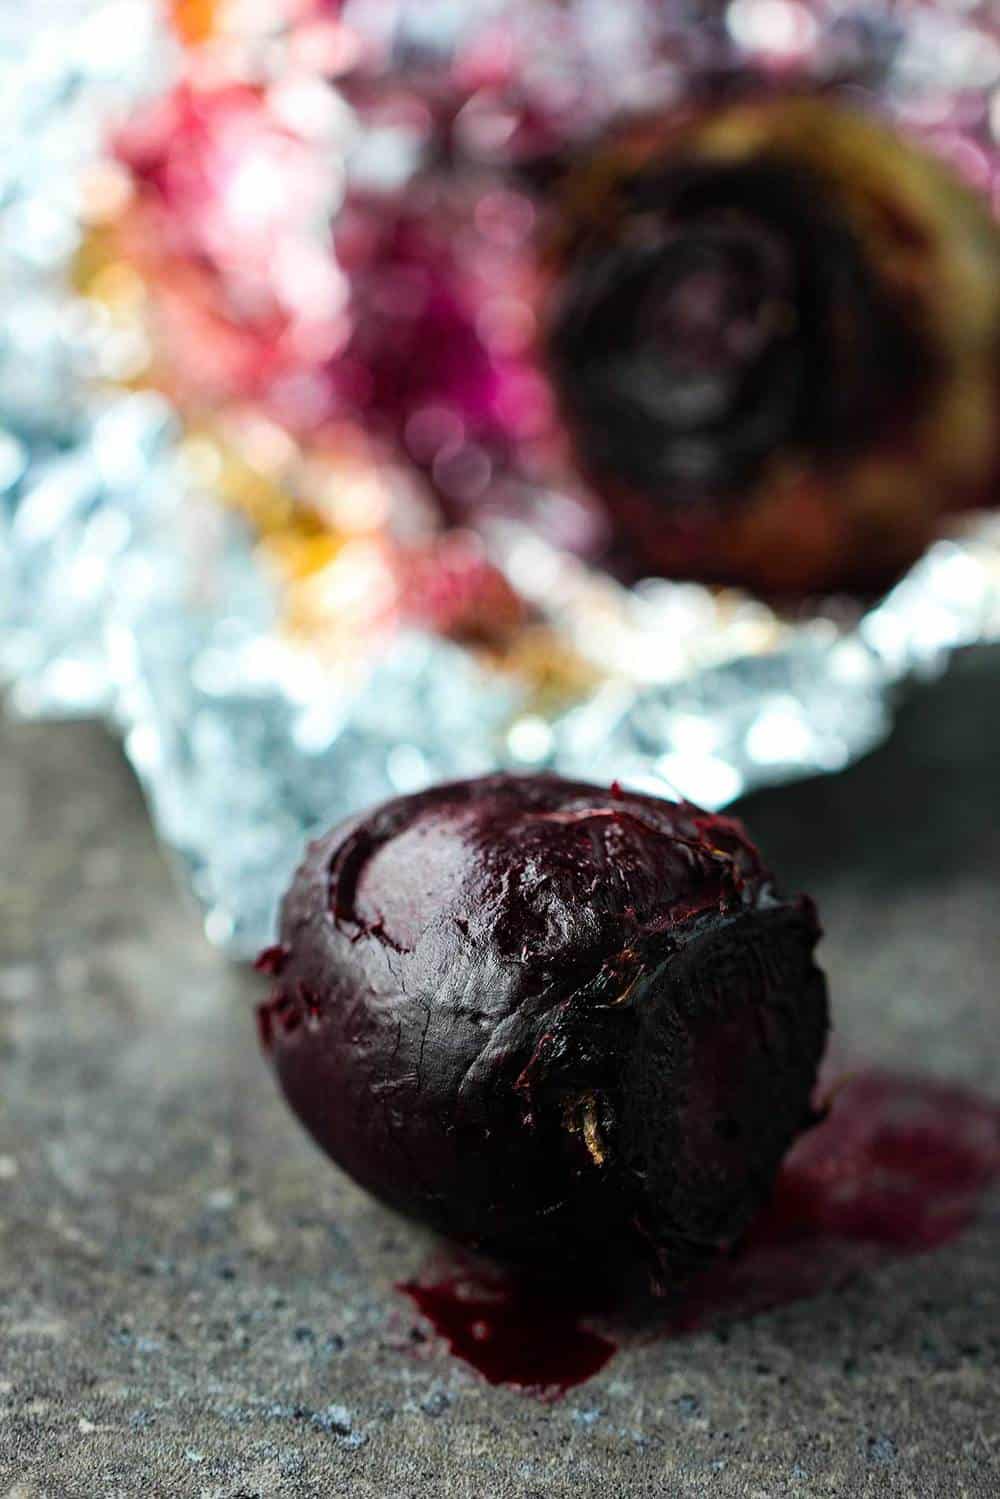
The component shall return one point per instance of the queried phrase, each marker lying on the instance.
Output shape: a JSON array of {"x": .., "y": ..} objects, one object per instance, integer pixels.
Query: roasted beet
[
  {"x": 774, "y": 333},
  {"x": 545, "y": 1016}
]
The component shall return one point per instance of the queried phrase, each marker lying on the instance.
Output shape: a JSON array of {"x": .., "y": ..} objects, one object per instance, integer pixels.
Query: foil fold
[{"x": 122, "y": 594}]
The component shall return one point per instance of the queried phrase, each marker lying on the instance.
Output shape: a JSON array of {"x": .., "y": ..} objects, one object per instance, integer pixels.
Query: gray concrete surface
[{"x": 193, "y": 1303}]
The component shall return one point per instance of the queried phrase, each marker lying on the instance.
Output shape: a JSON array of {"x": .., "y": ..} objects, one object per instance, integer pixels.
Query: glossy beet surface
[{"x": 541, "y": 1016}]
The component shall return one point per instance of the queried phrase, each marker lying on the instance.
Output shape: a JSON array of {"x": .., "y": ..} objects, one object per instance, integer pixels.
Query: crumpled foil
[{"x": 124, "y": 594}]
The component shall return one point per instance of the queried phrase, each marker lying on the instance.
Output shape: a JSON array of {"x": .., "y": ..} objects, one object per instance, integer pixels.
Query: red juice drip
[
  {"x": 513, "y": 1332},
  {"x": 896, "y": 1168}
]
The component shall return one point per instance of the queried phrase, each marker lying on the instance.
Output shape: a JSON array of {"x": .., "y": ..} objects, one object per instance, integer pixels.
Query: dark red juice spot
[{"x": 512, "y": 1332}]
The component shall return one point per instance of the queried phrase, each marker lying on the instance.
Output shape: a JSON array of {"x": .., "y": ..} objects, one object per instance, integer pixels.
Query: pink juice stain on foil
[{"x": 897, "y": 1168}]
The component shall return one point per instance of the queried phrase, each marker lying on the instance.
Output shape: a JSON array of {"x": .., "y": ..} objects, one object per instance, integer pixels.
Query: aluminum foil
[{"x": 124, "y": 593}]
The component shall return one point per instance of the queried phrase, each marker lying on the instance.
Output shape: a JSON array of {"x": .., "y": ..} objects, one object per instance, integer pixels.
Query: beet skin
[{"x": 547, "y": 1018}]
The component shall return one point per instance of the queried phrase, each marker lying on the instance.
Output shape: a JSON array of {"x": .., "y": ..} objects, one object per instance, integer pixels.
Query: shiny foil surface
[{"x": 287, "y": 620}]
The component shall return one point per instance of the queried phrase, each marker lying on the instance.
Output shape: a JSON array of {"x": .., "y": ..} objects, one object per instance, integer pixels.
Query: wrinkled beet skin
[{"x": 543, "y": 1016}]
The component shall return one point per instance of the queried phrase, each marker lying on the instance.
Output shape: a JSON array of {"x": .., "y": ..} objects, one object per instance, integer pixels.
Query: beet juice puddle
[{"x": 897, "y": 1168}]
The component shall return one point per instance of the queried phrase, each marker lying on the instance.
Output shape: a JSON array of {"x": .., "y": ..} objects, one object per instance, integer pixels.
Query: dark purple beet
[{"x": 544, "y": 1016}]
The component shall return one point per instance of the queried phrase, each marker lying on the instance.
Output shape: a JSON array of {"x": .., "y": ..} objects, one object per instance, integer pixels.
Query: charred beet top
[{"x": 542, "y": 1015}]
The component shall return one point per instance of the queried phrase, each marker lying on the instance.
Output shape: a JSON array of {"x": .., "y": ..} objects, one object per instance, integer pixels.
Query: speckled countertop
[{"x": 193, "y": 1303}]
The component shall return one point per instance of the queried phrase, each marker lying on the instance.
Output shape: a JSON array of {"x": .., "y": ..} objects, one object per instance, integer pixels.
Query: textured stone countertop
[{"x": 192, "y": 1302}]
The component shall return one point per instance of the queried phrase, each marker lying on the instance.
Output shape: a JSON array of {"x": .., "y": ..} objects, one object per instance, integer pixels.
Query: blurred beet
[{"x": 774, "y": 330}]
